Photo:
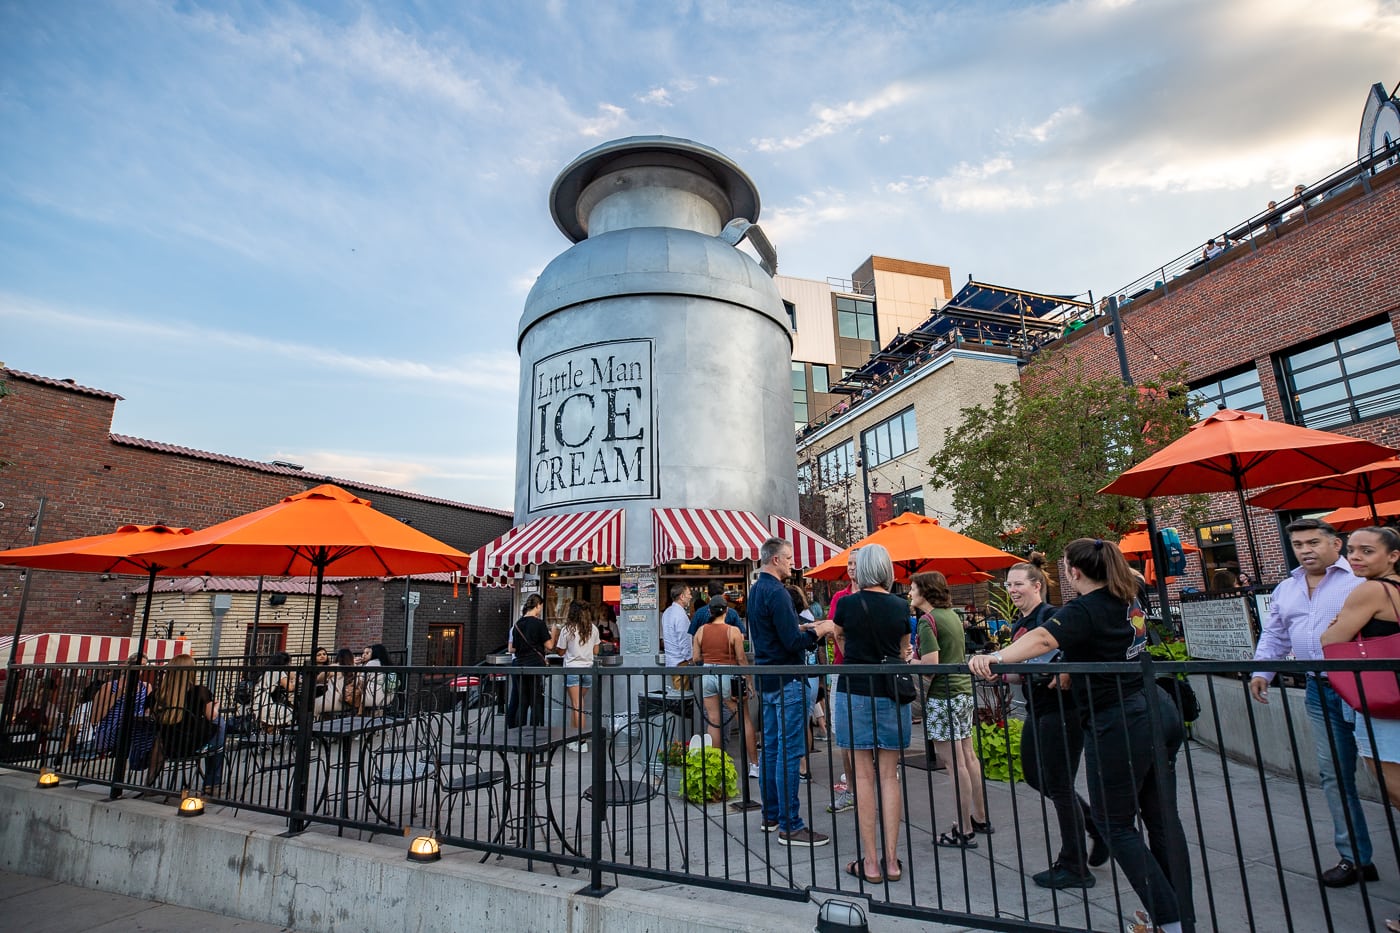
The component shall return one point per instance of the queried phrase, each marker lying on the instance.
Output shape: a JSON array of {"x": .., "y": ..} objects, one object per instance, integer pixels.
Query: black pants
[
  {"x": 1130, "y": 753},
  {"x": 1051, "y": 745},
  {"x": 526, "y": 706}
]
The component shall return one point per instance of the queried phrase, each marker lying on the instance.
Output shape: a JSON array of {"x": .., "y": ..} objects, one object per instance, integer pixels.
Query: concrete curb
[{"x": 321, "y": 883}]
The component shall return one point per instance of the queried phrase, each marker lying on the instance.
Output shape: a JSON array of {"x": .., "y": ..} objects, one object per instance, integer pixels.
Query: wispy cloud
[
  {"x": 832, "y": 120},
  {"x": 608, "y": 119}
]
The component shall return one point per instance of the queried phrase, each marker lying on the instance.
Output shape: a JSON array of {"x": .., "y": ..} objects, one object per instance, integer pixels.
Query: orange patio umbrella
[
  {"x": 1239, "y": 450},
  {"x": 917, "y": 543},
  {"x": 1354, "y": 488},
  {"x": 302, "y": 536},
  {"x": 1136, "y": 545},
  {"x": 118, "y": 552},
  {"x": 1354, "y": 517}
]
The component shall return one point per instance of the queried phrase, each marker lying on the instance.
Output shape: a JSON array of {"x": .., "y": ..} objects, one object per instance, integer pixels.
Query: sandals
[
  {"x": 1393, "y": 925},
  {"x": 855, "y": 869},
  {"x": 983, "y": 828},
  {"x": 898, "y": 872},
  {"x": 957, "y": 839}
]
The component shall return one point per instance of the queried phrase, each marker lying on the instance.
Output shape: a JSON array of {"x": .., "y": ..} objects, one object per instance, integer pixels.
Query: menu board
[
  {"x": 1218, "y": 629},
  {"x": 638, "y": 634}
]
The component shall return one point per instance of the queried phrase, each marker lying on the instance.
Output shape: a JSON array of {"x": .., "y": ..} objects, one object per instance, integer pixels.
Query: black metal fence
[{"x": 590, "y": 771}]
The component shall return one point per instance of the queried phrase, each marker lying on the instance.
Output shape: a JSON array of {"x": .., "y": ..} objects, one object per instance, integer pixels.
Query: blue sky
[{"x": 306, "y": 231}]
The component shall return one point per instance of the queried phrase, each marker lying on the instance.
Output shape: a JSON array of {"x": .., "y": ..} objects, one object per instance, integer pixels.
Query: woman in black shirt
[
  {"x": 872, "y": 625},
  {"x": 530, "y": 639},
  {"x": 1133, "y": 730}
]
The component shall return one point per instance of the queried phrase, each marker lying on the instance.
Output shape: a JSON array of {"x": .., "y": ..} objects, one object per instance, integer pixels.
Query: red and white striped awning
[
  {"x": 582, "y": 537},
  {"x": 481, "y": 568},
  {"x": 808, "y": 548},
  {"x": 705, "y": 534},
  {"x": 57, "y": 648}
]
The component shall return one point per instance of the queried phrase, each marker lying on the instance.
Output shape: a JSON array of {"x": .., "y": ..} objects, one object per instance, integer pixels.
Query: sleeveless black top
[{"x": 1379, "y": 628}]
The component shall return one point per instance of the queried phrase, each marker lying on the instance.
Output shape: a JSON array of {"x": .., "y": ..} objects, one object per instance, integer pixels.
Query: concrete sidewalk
[{"x": 37, "y": 905}]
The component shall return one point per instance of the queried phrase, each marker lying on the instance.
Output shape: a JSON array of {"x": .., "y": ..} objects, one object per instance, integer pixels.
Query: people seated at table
[
  {"x": 187, "y": 722},
  {"x": 375, "y": 689},
  {"x": 342, "y": 693},
  {"x": 272, "y": 697},
  {"x": 109, "y": 705}
]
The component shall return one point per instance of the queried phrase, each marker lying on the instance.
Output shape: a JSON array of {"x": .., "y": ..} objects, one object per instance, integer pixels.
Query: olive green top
[{"x": 948, "y": 642}]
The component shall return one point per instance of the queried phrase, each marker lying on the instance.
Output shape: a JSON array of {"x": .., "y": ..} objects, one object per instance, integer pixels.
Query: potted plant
[
  {"x": 670, "y": 761},
  {"x": 709, "y": 776},
  {"x": 998, "y": 746}
]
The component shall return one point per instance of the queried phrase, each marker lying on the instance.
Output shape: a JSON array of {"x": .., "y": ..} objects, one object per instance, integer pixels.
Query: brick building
[
  {"x": 1297, "y": 319},
  {"x": 56, "y": 444}
]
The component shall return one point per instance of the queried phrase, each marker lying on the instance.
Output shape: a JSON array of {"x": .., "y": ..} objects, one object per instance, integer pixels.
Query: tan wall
[
  {"x": 903, "y": 302},
  {"x": 953, "y": 381},
  {"x": 814, "y": 341},
  {"x": 190, "y": 616}
]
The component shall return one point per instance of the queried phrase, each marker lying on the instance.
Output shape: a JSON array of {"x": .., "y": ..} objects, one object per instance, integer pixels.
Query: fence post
[
  {"x": 305, "y": 699},
  {"x": 602, "y": 753}
]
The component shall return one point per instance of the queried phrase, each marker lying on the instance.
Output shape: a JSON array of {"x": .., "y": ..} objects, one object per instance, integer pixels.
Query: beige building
[{"x": 206, "y": 611}]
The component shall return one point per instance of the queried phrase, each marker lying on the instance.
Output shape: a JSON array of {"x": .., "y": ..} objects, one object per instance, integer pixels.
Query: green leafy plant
[
  {"x": 998, "y": 746},
  {"x": 1169, "y": 651},
  {"x": 710, "y": 776}
]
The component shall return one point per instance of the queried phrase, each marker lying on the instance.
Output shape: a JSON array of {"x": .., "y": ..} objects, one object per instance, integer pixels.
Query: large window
[
  {"x": 836, "y": 464},
  {"x": 855, "y": 317},
  {"x": 1220, "y": 561},
  {"x": 821, "y": 378},
  {"x": 799, "y": 394},
  {"x": 1239, "y": 390},
  {"x": 1345, "y": 378},
  {"x": 909, "y": 500},
  {"x": 892, "y": 438},
  {"x": 791, "y": 310}
]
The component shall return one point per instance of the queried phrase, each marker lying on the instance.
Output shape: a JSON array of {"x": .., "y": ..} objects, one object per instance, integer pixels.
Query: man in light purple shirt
[{"x": 1303, "y": 606}]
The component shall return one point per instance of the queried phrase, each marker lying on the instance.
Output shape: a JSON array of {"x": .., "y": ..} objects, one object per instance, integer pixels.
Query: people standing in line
[
  {"x": 577, "y": 640},
  {"x": 814, "y": 688},
  {"x": 675, "y": 626},
  {"x": 778, "y": 640},
  {"x": 702, "y": 615},
  {"x": 1372, "y": 610},
  {"x": 531, "y": 641},
  {"x": 872, "y": 625},
  {"x": 1133, "y": 731},
  {"x": 950, "y": 708},
  {"x": 718, "y": 642},
  {"x": 843, "y": 796},
  {"x": 1301, "y": 608},
  {"x": 1052, "y": 741}
]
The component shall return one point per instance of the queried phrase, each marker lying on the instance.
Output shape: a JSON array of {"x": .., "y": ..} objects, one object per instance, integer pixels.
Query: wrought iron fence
[{"x": 591, "y": 771}]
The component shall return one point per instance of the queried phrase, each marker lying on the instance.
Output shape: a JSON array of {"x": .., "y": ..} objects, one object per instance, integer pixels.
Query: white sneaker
[
  {"x": 753, "y": 771},
  {"x": 844, "y": 800}
]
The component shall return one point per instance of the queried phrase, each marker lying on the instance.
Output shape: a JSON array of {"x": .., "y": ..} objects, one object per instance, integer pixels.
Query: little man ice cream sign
[{"x": 593, "y": 425}]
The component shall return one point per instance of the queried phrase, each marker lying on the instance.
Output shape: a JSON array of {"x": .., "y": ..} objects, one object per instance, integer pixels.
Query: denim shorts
[
  {"x": 712, "y": 685},
  {"x": 870, "y": 722},
  {"x": 576, "y": 680}
]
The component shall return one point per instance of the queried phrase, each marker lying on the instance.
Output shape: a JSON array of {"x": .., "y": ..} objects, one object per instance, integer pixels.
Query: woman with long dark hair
[
  {"x": 1132, "y": 730},
  {"x": 577, "y": 640},
  {"x": 1052, "y": 742}
]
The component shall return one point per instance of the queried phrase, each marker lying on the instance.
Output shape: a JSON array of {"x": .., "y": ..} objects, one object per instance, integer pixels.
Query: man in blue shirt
[
  {"x": 779, "y": 639},
  {"x": 702, "y": 615}
]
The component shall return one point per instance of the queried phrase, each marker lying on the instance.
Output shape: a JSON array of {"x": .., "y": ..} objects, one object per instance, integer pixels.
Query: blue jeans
[
  {"x": 1331, "y": 731},
  {"x": 214, "y": 759},
  {"x": 784, "y": 744}
]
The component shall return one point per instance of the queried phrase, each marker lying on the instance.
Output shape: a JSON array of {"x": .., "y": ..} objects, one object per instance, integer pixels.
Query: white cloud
[
  {"x": 609, "y": 118},
  {"x": 831, "y": 120},
  {"x": 657, "y": 96},
  {"x": 1042, "y": 131}
]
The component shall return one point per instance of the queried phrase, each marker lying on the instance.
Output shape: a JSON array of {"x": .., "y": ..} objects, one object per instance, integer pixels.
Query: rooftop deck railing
[{"x": 605, "y": 793}]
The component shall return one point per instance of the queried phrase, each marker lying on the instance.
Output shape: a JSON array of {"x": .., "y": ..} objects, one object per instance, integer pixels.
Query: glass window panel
[
  {"x": 1318, "y": 373},
  {"x": 911, "y": 433},
  {"x": 799, "y": 376},
  {"x": 1383, "y": 355},
  {"x": 1377, "y": 333},
  {"x": 820, "y": 378},
  {"x": 1380, "y": 380},
  {"x": 846, "y": 324},
  {"x": 845, "y": 304},
  {"x": 1240, "y": 380},
  {"x": 866, "y": 327},
  {"x": 1308, "y": 357}
]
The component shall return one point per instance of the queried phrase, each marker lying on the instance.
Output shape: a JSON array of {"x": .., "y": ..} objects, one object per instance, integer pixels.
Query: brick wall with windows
[
  {"x": 1317, "y": 281},
  {"x": 56, "y": 441}
]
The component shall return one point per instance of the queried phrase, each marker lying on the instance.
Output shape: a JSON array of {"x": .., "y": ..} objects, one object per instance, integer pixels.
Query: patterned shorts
[{"x": 949, "y": 720}]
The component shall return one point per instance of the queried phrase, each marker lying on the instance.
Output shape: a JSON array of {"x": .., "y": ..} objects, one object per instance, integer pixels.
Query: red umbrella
[
  {"x": 1354, "y": 488},
  {"x": 917, "y": 543},
  {"x": 1239, "y": 450}
]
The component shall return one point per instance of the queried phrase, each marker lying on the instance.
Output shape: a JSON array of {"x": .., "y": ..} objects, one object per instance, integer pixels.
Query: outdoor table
[
  {"x": 530, "y": 742},
  {"x": 669, "y": 716},
  {"x": 345, "y": 731}
]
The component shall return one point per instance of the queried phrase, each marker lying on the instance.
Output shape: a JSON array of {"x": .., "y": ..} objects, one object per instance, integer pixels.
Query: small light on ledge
[
  {"x": 424, "y": 849},
  {"x": 191, "y": 804},
  {"x": 48, "y": 777}
]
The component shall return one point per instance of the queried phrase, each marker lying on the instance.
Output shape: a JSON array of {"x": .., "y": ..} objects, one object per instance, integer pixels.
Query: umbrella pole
[
  {"x": 1370, "y": 498},
  {"x": 10, "y": 685},
  {"x": 129, "y": 704},
  {"x": 1248, "y": 532},
  {"x": 306, "y": 698}
]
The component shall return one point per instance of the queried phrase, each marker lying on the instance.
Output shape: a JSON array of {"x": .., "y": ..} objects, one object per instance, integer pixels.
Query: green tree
[{"x": 1026, "y": 469}]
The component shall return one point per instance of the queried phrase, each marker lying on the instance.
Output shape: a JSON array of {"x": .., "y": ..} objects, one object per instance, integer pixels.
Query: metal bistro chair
[
  {"x": 407, "y": 758},
  {"x": 461, "y": 774},
  {"x": 623, "y": 791}
]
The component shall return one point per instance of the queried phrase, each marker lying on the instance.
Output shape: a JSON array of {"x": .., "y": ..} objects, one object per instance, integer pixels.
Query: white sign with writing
[
  {"x": 593, "y": 425},
  {"x": 1218, "y": 629}
]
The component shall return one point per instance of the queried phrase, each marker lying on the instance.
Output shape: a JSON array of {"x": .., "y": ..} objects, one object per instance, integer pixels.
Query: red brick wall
[
  {"x": 1338, "y": 270},
  {"x": 55, "y": 443}
]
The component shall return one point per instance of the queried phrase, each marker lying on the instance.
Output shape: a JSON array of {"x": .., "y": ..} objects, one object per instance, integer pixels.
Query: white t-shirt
[{"x": 577, "y": 653}]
